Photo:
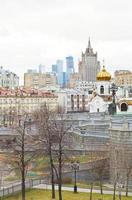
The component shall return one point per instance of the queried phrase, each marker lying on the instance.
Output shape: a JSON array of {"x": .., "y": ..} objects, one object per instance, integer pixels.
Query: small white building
[
  {"x": 97, "y": 104},
  {"x": 101, "y": 95}
]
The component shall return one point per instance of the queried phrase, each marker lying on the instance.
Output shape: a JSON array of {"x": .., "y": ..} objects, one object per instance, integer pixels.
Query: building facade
[
  {"x": 89, "y": 65},
  {"x": 54, "y": 68},
  {"x": 77, "y": 101},
  {"x": 121, "y": 149},
  {"x": 41, "y": 68},
  {"x": 8, "y": 79},
  {"x": 59, "y": 64},
  {"x": 123, "y": 78},
  {"x": 74, "y": 78},
  {"x": 69, "y": 67},
  {"x": 38, "y": 80},
  {"x": 18, "y": 102},
  {"x": 64, "y": 79}
]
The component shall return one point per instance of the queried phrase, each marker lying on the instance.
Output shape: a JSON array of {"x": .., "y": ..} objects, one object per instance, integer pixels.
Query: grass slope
[{"x": 46, "y": 195}]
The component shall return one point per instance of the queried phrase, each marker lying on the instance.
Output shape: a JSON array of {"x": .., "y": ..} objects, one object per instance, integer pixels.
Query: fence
[{"x": 5, "y": 191}]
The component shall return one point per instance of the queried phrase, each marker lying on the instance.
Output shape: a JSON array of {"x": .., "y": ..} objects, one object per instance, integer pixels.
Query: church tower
[{"x": 89, "y": 66}]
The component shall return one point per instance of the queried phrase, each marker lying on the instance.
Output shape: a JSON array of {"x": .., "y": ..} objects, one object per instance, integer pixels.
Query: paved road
[{"x": 45, "y": 186}]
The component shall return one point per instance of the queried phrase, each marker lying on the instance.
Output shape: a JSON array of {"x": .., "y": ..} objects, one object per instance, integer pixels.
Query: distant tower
[
  {"x": 54, "y": 69},
  {"x": 41, "y": 68},
  {"x": 64, "y": 78},
  {"x": 89, "y": 66},
  {"x": 69, "y": 67},
  {"x": 59, "y": 64}
]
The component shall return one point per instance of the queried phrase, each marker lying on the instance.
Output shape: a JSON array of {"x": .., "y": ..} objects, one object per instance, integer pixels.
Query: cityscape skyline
[{"x": 37, "y": 32}]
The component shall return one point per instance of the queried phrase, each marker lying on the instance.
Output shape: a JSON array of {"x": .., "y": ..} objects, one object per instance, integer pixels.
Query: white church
[{"x": 102, "y": 95}]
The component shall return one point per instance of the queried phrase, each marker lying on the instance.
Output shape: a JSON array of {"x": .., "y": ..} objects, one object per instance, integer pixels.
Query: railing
[{"x": 16, "y": 187}]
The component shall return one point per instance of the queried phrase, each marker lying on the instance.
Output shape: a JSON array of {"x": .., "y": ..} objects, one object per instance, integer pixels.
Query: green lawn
[{"x": 46, "y": 195}]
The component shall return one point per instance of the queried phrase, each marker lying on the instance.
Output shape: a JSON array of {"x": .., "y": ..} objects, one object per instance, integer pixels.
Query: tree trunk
[
  {"x": 60, "y": 191},
  {"x": 91, "y": 191},
  {"x": 52, "y": 172},
  {"x": 23, "y": 184},
  {"x": 127, "y": 186},
  {"x": 52, "y": 182},
  {"x": 60, "y": 183},
  {"x": 101, "y": 188},
  {"x": 23, "y": 163},
  {"x": 114, "y": 194},
  {"x": 60, "y": 172}
]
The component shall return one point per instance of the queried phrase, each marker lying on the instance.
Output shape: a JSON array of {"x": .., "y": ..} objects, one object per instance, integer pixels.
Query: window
[
  {"x": 101, "y": 89},
  {"x": 124, "y": 107}
]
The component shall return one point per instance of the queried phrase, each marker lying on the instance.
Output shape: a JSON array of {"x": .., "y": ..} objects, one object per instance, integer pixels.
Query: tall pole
[
  {"x": 23, "y": 162},
  {"x": 75, "y": 168},
  {"x": 113, "y": 105},
  {"x": 75, "y": 183}
]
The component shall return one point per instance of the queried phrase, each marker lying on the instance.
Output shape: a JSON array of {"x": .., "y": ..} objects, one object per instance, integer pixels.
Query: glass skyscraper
[
  {"x": 59, "y": 64},
  {"x": 54, "y": 69},
  {"x": 69, "y": 67}
]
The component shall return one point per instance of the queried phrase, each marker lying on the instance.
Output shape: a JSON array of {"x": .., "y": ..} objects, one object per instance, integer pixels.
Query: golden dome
[{"x": 103, "y": 75}]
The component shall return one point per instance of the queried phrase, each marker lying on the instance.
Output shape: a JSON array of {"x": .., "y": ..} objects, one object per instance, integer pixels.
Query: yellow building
[
  {"x": 39, "y": 80},
  {"x": 123, "y": 78},
  {"x": 74, "y": 77},
  {"x": 20, "y": 102}
]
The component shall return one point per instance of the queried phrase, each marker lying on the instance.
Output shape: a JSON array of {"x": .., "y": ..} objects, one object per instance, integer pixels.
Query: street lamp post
[
  {"x": 114, "y": 89},
  {"x": 120, "y": 186},
  {"x": 75, "y": 168},
  {"x": 112, "y": 106}
]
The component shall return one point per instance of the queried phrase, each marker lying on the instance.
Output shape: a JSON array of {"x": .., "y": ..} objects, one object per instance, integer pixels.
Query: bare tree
[
  {"x": 20, "y": 148},
  {"x": 128, "y": 168},
  {"x": 99, "y": 165},
  {"x": 53, "y": 132},
  {"x": 93, "y": 165},
  {"x": 100, "y": 171},
  {"x": 44, "y": 126},
  {"x": 61, "y": 133}
]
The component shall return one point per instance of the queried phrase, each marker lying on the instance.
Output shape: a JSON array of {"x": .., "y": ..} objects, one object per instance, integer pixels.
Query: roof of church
[{"x": 103, "y": 75}]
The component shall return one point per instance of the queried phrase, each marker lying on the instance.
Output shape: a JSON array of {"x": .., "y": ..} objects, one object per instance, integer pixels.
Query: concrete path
[{"x": 48, "y": 187}]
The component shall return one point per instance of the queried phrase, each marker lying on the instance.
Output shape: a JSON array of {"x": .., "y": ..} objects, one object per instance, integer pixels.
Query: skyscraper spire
[{"x": 89, "y": 43}]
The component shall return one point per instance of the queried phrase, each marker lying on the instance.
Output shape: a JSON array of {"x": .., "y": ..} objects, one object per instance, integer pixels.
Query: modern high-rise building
[
  {"x": 69, "y": 67},
  {"x": 64, "y": 79},
  {"x": 41, "y": 68},
  {"x": 54, "y": 69},
  {"x": 59, "y": 64},
  {"x": 58, "y": 70},
  {"x": 89, "y": 65}
]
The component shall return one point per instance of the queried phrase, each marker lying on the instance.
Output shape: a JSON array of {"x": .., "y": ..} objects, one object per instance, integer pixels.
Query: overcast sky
[{"x": 41, "y": 31}]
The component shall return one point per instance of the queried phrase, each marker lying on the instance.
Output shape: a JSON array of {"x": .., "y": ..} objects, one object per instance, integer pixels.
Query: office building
[
  {"x": 89, "y": 65},
  {"x": 41, "y": 68},
  {"x": 38, "y": 80},
  {"x": 123, "y": 78},
  {"x": 74, "y": 78},
  {"x": 8, "y": 79},
  {"x": 59, "y": 64},
  {"x": 69, "y": 67},
  {"x": 54, "y": 69}
]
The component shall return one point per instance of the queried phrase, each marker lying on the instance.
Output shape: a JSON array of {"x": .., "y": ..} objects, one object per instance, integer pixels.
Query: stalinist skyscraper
[{"x": 89, "y": 66}]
